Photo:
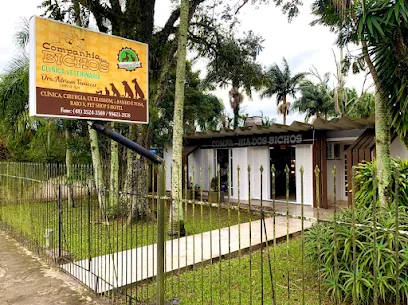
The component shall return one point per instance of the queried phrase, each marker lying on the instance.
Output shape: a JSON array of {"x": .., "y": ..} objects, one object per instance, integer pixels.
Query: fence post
[
  {"x": 59, "y": 221},
  {"x": 160, "y": 236}
]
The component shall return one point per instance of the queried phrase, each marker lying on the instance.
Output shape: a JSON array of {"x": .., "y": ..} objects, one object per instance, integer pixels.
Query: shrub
[
  {"x": 365, "y": 185},
  {"x": 356, "y": 279}
]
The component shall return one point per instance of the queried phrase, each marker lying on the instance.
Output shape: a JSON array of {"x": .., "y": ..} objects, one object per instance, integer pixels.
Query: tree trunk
[
  {"x": 285, "y": 111},
  {"x": 341, "y": 92},
  {"x": 236, "y": 115},
  {"x": 382, "y": 135},
  {"x": 176, "y": 216},
  {"x": 136, "y": 181},
  {"x": 68, "y": 162},
  {"x": 114, "y": 178},
  {"x": 97, "y": 167},
  {"x": 383, "y": 143}
]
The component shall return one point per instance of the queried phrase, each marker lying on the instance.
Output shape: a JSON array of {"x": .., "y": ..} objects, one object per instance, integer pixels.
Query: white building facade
[{"x": 339, "y": 144}]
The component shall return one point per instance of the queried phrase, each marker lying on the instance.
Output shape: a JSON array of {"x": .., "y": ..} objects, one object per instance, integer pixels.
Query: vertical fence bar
[
  {"x": 261, "y": 230},
  {"x": 219, "y": 231},
  {"x": 211, "y": 235},
  {"x": 194, "y": 249},
  {"x": 229, "y": 233},
  {"x": 250, "y": 234},
  {"x": 273, "y": 185},
  {"x": 239, "y": 231},
  {"x": 336, "y": 267},
  {"x": 354, "y": 241},
  {"x": 160, "y": 238},
  {"x": 317, "y": 175},
  {"x": 375, "y": 267},
  {"x": 287, "y": 229},
  {"x": 396, "y": 237},
  {"x": 302, "y": 213},
  {"x": 201, "y": 236},
  {"x": 59, "y": 221},
  {"x": 186, "y": 199}
]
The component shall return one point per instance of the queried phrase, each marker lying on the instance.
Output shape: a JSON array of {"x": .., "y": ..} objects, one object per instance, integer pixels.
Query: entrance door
[
  {"x": 281, "y": 157},
  {"x": 224, "y": 161}
]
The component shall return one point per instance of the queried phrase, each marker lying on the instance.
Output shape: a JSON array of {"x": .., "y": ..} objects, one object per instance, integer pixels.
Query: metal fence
[{"x": 235, "y": 250}]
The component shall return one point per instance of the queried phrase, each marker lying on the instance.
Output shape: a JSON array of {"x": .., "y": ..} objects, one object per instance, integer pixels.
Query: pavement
[
  {"x": 25, "y": 279},
  {"x": 120, "y": 269}
]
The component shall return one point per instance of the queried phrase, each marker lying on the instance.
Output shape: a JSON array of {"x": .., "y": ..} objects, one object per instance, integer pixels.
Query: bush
[
  {"x": 365, "y": 185},
  {"x": 340, "y": 242}
]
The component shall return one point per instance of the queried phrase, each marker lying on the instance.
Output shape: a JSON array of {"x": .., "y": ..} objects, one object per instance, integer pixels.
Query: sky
[{"x": 302, "y": 45}]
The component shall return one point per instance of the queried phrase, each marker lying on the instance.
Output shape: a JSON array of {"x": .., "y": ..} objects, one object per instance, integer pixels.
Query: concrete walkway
[
  {"x": 124, "y": 268},
  {"x": 24, "y": 279}
]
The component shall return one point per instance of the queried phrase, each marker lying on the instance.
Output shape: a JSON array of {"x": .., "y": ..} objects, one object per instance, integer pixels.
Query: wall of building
[
  {"x": 168, "y": 158},
  {"x": 304, "y": 157},
  {"x": 398, "y": 149},
  {"x": 257, "y": 157},
  {"x": 207, "y": 157},
  {"x": 240, "y": 158},
  {"x": 340, "y": 190},
  {"x": 194, "y": 165}
]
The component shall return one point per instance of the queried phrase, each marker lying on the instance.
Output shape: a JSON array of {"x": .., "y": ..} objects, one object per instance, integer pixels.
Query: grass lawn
[
  {"x": 84, "y": 233},
  {"x": 230, "y": 281}
]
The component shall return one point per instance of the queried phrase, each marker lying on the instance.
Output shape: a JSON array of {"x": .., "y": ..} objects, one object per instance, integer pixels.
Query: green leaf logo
[{"x": 128, "y": 60}]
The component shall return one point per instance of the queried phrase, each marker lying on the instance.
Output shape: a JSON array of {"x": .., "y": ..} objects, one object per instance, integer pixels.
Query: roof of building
[{"x": 344, "y": 123}]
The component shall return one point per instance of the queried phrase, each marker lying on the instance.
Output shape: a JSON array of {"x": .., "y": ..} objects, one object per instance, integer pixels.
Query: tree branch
[
  {"x": 169, "y": 26},
  {"x": 241, "y": 6},
  {"x": 99, "y": 11}
]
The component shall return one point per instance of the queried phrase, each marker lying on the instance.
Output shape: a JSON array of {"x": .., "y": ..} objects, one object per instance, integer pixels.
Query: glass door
[{"x": 224, "y": 161}]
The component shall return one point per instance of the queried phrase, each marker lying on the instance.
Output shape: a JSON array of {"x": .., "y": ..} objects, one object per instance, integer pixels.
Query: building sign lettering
[{"x": 256, "y": 141}]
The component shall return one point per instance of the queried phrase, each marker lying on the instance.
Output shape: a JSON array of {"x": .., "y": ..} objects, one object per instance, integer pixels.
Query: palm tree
[
  {"x": 236, "y": 98},
  {"x": 382, "y": 47},
  {"x": 14, "y": 91},
  {"x": 281, "y": 83},
  {"x": 235, "y": 67},
  {"x": 314, "y": 101}
]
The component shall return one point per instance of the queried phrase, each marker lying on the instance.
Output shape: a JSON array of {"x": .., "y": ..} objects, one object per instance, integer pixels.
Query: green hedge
[{"x": 355, "y": 280}]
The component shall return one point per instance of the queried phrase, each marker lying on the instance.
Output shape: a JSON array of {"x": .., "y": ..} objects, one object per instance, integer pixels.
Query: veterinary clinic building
[{"x": 342, "y": 143}]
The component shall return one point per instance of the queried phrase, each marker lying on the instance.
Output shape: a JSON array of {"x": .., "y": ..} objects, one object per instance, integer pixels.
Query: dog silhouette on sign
[
  {"x": 138, "y": 90},
  {"x": 129, "y": 57},
  {"x": 99, "y": 92},
  {"x": 107, "y": 91},
  {"x": 128, "y": 91},
  {"x": 115, "y": 91}
]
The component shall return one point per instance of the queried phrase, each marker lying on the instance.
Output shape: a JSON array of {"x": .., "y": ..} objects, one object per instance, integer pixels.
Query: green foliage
[
  {"x": 231, "y": 280},
  {"x": 214, "y": 184},
  {"x": 383, "y": 27},
  {"x": 281, "y": 83},
  {"x": 358, "y": 107},
  {"x": 233, "y": 63},
  {"x": 342, "y": 282},
  {"x": 22, "y": 219},
  {"x": 314, "y": 101},
  {"x": 332, "y": 246},
  {"x": 365, "y": 183},
  {"x": 200, "y": 109}
]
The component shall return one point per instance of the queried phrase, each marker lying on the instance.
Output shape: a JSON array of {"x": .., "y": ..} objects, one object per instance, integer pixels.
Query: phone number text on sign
[{"x": 88, "y": 112}]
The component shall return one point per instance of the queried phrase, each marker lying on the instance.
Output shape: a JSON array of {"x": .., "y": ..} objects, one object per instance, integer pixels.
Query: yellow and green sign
[{"x": 76, "y": 73}]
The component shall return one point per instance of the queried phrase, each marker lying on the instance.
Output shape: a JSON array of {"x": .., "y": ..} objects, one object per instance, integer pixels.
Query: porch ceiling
[{"x": 344, "y": 123}]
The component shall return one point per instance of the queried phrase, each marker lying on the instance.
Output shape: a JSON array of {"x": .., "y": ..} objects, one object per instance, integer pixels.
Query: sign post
[{"x": 76, "y": 73}]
